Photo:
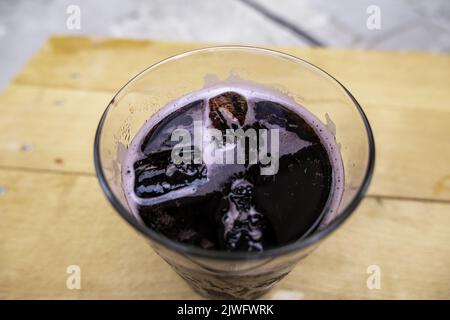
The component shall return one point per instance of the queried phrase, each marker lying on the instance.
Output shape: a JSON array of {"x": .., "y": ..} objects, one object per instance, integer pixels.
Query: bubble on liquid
[{"x": 242, "y": 222}]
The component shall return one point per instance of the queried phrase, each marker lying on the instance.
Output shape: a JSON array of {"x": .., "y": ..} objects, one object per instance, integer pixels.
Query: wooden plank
[
  {"x": 49, "y": 128},
  {"x": 407, "y": 142},
  {"x": 94, "y": 63},
  {"x": 46, "y": 227},
  {"x": 412, "y": 153},
  {"x": 405, "y": 79},
  {"x": 54, "y": 219}
]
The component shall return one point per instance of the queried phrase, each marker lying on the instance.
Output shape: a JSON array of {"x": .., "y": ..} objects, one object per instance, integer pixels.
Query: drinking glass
[{"x": 223, "y": 274}]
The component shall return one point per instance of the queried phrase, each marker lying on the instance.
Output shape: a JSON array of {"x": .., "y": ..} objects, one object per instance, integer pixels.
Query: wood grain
[
  {"x": 53, "y": 220},
  {"x": 409, "y": 163},
  {"x": 403, "y": 79},
  {"x": 53, "y": 213}
]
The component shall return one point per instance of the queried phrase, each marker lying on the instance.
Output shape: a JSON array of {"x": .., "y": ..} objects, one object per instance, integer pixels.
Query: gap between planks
[{"x": 93, "y": 175}]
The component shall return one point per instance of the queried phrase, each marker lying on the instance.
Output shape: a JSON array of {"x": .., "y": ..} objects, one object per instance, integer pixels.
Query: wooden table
[{"x": 53, "y": 213}]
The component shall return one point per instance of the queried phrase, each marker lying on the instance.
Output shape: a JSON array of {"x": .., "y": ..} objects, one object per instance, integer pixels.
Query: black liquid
[{"x": 273, "y": 209}]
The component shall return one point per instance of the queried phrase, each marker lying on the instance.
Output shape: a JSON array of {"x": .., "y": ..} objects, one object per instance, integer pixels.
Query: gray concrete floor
[{"x": 405, "y": 24}]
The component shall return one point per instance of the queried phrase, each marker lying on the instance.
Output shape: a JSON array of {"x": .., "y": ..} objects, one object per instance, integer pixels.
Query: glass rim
[{"x": 236, "y": 255}]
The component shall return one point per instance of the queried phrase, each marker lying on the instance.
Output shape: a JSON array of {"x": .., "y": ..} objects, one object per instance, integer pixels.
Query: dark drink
[{"x": 283, "y": 188}]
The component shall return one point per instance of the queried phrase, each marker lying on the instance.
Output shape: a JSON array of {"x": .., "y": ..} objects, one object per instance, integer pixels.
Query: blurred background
[{"x": 405, "y": 25}]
